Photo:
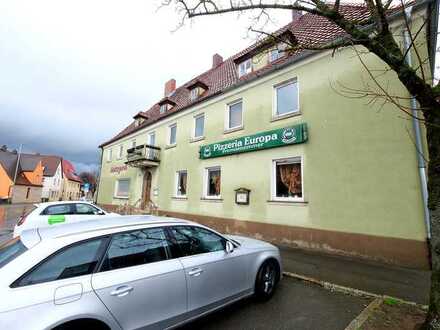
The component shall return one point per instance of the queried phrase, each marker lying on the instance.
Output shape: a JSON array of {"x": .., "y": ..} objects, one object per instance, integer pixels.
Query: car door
[
  {"x": 55, "y": 214},
  {"x": 213, "y": 276},
  {"x": 59, "y": 287},
  {"x": 139, "y": 281}
]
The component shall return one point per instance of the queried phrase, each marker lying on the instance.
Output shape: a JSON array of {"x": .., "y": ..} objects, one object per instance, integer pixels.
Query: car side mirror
[{"x": 229, "y": 247}]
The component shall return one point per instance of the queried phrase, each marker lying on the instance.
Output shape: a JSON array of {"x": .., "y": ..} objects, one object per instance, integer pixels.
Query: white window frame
[
  {"x": 163, "y": 108},
  {"x": 109, "y": 154},
  {"x": 273, "y": 180},
  {"x": 115, "y": 194},
  {"x": 278, "y": 56},
  {"x": 149, "y": 138},
  {"x": 133, "y": 143},
  {"x": 194, "y": 93},
  {"x": 227, "y": 116},
  {"x": 242, "y": 70},
  {"x": 176, "y": 191},
  {"x": 275, "y": 114},
  {"x": 194, "y": 136},
  {"x": 169, "y": 135},
  {"x": 205, "y": 182},
  {"x": 120, "y": 151}
]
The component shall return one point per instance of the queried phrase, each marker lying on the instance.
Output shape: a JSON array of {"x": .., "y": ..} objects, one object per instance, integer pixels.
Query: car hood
[{"x": 251, "y": 243}]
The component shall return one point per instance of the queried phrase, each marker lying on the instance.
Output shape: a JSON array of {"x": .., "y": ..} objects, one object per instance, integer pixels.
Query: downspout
[{"x": 417, "y": 134}]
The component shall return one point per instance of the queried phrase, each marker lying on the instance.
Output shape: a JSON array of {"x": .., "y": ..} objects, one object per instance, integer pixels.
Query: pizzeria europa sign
[{"x": 270, "y": 139}]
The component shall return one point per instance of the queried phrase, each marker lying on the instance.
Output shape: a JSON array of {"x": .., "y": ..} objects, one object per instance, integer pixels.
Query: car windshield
[{"x": 10, "y": 250}]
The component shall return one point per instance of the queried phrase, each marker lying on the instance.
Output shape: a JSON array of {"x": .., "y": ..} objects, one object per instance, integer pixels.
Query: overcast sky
[{"x": 73, "y": 73}]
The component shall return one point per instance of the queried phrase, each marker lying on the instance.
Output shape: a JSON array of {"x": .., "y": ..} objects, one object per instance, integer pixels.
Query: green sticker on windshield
[{"x": 54, "y": 219}]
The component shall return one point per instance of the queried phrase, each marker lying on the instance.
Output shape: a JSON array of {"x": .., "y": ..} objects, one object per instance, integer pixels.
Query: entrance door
[{"x": 146, "y": 189}]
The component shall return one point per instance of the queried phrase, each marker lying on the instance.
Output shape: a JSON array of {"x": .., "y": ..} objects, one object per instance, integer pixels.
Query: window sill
[
  {"x": 196, "y": 139},
  {"x": 286, "y": 115},
  {"x": 120, "y": 197},
  {"x": 234, "y": 129},
  {"x": 205, "y": 199},
  {"x": 287, "y": 202},
  {"x": 180, "y": 198},
  {"x": 169, "y": 146}
]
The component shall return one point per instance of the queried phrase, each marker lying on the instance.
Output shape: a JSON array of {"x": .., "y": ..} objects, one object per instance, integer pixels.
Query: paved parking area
[
  {"x": 295, "y": 305},
  {"x": 8, "y": 218}
]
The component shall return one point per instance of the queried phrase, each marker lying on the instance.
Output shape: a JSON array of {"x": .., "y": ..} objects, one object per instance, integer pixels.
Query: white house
[{"x": 52, "y": 179}]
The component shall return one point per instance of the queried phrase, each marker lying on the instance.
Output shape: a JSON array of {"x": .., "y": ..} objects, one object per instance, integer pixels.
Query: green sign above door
[{"x": 265, "y": 140}]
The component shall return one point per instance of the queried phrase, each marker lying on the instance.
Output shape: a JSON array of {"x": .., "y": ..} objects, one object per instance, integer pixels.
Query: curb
[
  {"x": 364, "y": 315},
  {"x": 351, "y": 291}
]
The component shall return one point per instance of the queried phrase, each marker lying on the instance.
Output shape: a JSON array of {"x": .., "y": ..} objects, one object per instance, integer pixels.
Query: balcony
[{"x": 143, "y": 156}]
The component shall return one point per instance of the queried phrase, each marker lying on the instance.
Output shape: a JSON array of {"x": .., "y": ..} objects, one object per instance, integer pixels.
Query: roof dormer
[
  {"x": 139, "y": 118},
  {"x": 196, "y": 89},
  {"x": 166, "y": 104}
]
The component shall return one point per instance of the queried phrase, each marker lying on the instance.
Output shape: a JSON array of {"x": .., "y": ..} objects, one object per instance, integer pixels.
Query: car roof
[
  {"x": 102, "y": 224},
  {"x": 60, "y": 203}
]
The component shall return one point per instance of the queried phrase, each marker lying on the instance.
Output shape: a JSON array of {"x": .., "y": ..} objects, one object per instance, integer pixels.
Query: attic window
[
  {"x": 163, "y": 108},
  {"x": 245, "y": 67},
  {"x": 196, "y": 89},
  {"x": 194, "y": 94},
  {"x": 274, "y": 55}
]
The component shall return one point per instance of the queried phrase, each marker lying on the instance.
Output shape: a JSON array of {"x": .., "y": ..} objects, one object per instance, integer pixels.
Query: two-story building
[
  {"x": 53, "y": 178},
  {"x": 265, "y": 145}
]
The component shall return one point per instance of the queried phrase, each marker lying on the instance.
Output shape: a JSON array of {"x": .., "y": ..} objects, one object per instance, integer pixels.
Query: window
[
  {"x": 286, "y": 98},
  {"x": 10, "y": 250},
  {"x": 122, "y": 188},
  {"x": 76, "y": 260},
  {"x": 136, "y": 248},
  {"x": 120, "y": 151},
  {"x": 173, "y": 132},
  {"x": 234, "y": 116},
  {"x": 152, "y": 139},
  {"x": 287, "y": 179},
  {"x": 274, "y": 54},
  {"x": 181, "y": 181},
  {"x": 245, "y": 67},
  {"x": 28, "y": 192},
  {"x": 212, "y": 182},
  {"x": 109, "y": 155},
  {"x": 194, "y": 94},
  {"x": 59, "y": 209},
  {"x": 196, "y": 240},
  {"x": 163, "y": 108},
  {"x": 86, "y": 209},
  {"x": 133, "y": 144},
  {"x": 199, "y": 126}
]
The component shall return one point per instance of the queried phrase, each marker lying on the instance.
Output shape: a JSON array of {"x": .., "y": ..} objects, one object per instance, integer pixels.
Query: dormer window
[
  {"x": 274, "y": 55},
  {"x": 139, "y": 118},
  {"x": 163, "y": 108},
  {"x": 166, "y": 104},
  {"x": 245, "y": 67},
  {"x": 196, "y": 89}
]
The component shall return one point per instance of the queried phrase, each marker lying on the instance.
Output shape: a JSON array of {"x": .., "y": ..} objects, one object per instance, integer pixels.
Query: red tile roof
[
  {"x": 69, "y": 171},
  {"x": 308, "y": 29}
]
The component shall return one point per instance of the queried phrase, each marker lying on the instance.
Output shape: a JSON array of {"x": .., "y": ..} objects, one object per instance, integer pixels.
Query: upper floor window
[
  {"x": 286, "y": 98},
  {"x": 245, "y": 67},
  {"x": 120, "y": 151},
  {"x": 173, "y": 134},
  {"x": 109, "y": 154},
  {"x": 163, "y": 108},
  {"x": 133, "y": 143},
  {"x": 274, "y": 54},
  {"x": 199, "y": 126},
  {"x": 234, "y": 116},
  {"x": 194, "y": 94}
]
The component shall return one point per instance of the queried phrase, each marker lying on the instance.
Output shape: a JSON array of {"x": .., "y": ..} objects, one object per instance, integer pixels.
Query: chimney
[
  {"x": 216, "y": 60},
  {"x": 296, "y": 14},
  {"x": 170, "y": 86}
]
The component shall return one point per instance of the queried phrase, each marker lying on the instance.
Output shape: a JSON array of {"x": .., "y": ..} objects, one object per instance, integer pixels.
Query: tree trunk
[{"x": 433, "y": 137}]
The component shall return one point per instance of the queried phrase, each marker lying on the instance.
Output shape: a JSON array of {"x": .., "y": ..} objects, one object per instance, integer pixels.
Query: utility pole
[{"x": 16, "y": 168}]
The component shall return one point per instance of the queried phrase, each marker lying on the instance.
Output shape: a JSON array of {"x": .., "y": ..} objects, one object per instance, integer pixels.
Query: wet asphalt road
[{"x": 295, "y": 305}]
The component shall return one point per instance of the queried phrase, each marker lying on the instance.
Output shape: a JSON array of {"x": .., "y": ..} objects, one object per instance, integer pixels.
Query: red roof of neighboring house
[
  {"x": 307, "y": 29},
  {"x": 50, "y": 164},
  {"x": 69, "y": 171}
]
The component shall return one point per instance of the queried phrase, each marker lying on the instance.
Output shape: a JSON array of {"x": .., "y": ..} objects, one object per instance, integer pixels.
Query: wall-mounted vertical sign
[{"x": 265, "y": 140}]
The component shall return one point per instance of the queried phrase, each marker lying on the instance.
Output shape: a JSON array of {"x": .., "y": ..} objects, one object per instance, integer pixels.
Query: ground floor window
[
  {"x": 213, "y": 182},
  {"x": 122, "y": 188},
  {"x": 181, "y": 180},
  {"x": 287, "y": 179}
]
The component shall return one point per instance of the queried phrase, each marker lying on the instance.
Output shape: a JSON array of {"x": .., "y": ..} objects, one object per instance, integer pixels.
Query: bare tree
[{"x": 371, "y": 34}]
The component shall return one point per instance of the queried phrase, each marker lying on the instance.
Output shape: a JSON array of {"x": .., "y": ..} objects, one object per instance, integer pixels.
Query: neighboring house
[
  {"x": 53, "y": 178},
  {"x": 71, "y": 182},
  {"x": 29, "y": 177},
  {"x": 262, "y": 144}
]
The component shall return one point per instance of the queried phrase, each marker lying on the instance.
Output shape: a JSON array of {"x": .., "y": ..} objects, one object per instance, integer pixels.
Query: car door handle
[
  {"x": 121, "y": 291},
  {"x": 195, "y": 272}
]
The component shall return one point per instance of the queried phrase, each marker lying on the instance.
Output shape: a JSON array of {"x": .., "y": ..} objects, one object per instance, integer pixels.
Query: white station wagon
[{"x": 53, "y": 213}]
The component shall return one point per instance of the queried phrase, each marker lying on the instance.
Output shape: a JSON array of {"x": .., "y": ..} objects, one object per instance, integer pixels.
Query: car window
[
  {"x": 136, "y": 248},
  {"x": 196, "y": 240},
  {"x": 86, "y": 209},
  {"x": 10, "y": 250},
  {"x": 76, "y": 260},
  {"x": 62, "y": 209}
]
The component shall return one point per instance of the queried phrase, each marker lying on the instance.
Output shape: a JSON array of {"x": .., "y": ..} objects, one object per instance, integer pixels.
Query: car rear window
[{"x": 10, "y": 250}]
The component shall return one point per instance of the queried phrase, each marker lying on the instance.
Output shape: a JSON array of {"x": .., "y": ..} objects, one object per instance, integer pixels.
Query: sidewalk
[{"x": 404, "y": 283}]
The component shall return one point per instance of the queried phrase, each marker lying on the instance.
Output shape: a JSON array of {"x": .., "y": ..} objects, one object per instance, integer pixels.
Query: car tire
[{"x": 267, "y": 279}]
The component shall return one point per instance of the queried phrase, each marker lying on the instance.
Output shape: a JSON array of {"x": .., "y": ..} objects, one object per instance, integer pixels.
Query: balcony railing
[{"x": 143, "y": 155}]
